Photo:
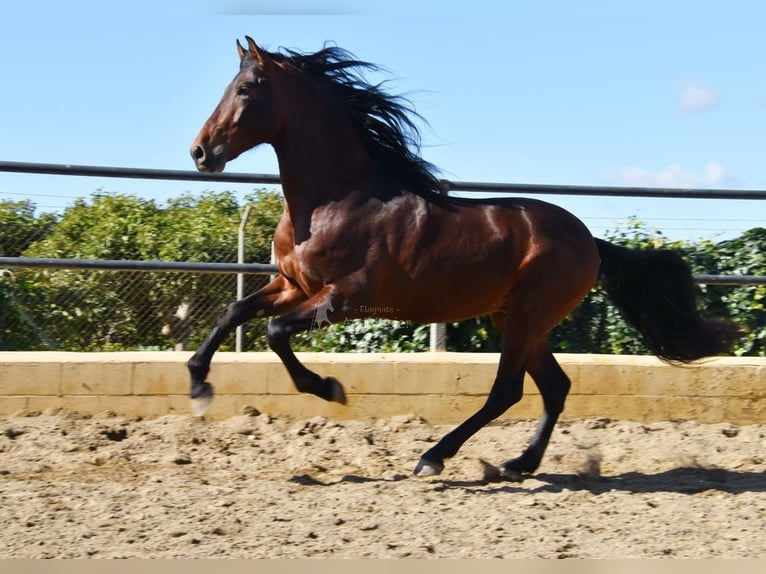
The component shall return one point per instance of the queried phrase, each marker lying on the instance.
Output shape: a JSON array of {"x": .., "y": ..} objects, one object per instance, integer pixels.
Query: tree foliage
[
  {"x": 86, "y": 310},
  {"x": 20, "y": 227}
]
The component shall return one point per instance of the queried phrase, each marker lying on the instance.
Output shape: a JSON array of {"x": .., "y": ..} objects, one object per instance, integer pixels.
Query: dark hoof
[
  {"x": 494, "y": 473},
  {"x": 337, "y": 394},
  {"x": 428, "y": 468},
  {"x": 201, "y": 398},
  {"x": 516, "y": 468}
]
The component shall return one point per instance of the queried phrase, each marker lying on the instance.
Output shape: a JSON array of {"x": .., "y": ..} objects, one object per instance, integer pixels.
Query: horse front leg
[
  {"x": 310, "y": 314},
  {"x": 276, "y": 297}
]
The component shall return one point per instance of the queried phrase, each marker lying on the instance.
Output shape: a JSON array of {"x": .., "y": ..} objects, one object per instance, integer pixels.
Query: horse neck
[{"x": 321, "y": 157}]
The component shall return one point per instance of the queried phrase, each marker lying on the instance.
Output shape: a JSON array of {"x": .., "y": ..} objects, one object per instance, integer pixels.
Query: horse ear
[
  {"x": 240, "y": 50},
  {"x": 255, "y": 51}
]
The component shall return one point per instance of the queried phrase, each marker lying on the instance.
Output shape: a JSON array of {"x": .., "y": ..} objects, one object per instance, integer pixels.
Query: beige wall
[{"x": 440, "y": 387}]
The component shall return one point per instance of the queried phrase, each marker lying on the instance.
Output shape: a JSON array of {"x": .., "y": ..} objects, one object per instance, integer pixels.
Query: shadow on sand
[
  {"x": 690, "y": 480},
  {"x": 687, "y": 480}
]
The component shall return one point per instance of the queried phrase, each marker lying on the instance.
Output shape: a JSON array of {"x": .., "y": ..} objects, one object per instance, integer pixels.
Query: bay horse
[{"x": 365, "y": 232}]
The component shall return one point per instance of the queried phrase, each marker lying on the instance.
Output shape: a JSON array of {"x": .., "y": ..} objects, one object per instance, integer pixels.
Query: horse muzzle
[{"x": 209, "y": 159}]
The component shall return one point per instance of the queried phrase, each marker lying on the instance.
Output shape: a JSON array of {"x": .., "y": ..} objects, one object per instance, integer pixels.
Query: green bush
[
  {"x": 596, "y": 327},
  {"x": 86, "y": 310}
]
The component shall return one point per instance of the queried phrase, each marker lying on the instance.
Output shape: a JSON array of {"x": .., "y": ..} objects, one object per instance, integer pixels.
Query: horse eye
[{"x": 243, "y": 90}]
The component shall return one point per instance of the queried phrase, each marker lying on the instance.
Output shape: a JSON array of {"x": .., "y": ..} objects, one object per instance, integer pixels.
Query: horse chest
[{"x": 317, "y": 262}]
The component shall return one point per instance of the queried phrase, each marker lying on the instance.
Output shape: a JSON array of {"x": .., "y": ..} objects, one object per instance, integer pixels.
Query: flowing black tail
[{"x": 655, "y": 292}]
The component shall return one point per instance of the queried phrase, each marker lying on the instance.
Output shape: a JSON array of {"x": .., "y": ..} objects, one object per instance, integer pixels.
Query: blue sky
[{"x": 589, "y": 93}]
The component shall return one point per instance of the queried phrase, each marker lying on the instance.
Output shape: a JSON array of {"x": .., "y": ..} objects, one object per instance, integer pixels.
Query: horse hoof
[
  {"x": 200, "y": 406},
  {"x": 516, "y": 468},
  {"x": 511, "y": 475},
  {"x": 428, "y": 468},
  {"x": 337, "y": 394},
  {"x": 492, "y": 473},
  {"x": 201, "y": 399}
]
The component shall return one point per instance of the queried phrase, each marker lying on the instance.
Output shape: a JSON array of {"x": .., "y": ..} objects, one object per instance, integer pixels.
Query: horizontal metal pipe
[
  {"x": 445, "y": 185},
  {"x": 254, "y": 268},
  {"x": 128, "y": 265},
  {"x": 134, "y": 173},
  {"x": 730, "y": 279},
  {"x": 602, "y": 190}
]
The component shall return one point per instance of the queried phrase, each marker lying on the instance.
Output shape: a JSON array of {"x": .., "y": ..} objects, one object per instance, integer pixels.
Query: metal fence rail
[
  {"x": 445, "y": 184},
  {"x": 730, "y": 279},
  {"x": 254, "y": 268},
  {"x": 131, "y": 265},
  {"x": 204, "y": 311}
]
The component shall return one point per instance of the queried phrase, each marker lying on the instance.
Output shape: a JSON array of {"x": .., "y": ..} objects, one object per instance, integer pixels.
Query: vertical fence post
[
  {"x": 241, "y": 276},
  {"x": 438, "y": 338}
]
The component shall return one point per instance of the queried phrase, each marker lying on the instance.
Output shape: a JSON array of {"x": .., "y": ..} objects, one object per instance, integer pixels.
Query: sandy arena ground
[{"x": 256, "y": 486}]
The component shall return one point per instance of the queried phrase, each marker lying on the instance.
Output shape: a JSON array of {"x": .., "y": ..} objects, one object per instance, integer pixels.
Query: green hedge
[{"x": 81, "y": 310}]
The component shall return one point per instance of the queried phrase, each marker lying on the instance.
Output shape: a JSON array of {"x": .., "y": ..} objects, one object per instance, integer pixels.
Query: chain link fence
[
  {"x": 86, "y": 310},
  {"x": 94, "y": 310},
  {"x": 89, "y": 310}
]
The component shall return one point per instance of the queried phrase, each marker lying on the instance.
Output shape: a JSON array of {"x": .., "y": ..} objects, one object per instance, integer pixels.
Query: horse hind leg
[
  {"x": 507, "y": 390},
  {"x": 554, "y": 300},
  {"x": 554, "y": 386},
  {"x": 525, "y": 348}
]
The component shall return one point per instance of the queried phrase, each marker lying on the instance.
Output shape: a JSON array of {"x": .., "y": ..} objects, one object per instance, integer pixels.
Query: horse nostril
[{"x": 198, "y": 153}]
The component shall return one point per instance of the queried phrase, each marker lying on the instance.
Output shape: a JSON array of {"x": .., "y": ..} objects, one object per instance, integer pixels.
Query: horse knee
[
  {"x": 233, "y": 311},
  {"x": 276, "y": 334},
  {"x": 273, "y": 334}
]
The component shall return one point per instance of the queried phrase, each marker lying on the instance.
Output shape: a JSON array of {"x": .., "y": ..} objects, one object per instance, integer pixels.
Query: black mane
[{"x": 384, "y": 120}]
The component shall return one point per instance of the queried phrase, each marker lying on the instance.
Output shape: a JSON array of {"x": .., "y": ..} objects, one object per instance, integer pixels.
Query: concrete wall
[{"x": 440, "y": 387}]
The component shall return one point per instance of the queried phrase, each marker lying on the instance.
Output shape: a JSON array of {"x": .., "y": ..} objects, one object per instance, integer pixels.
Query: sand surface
[{"x": 258, "y": 486}]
